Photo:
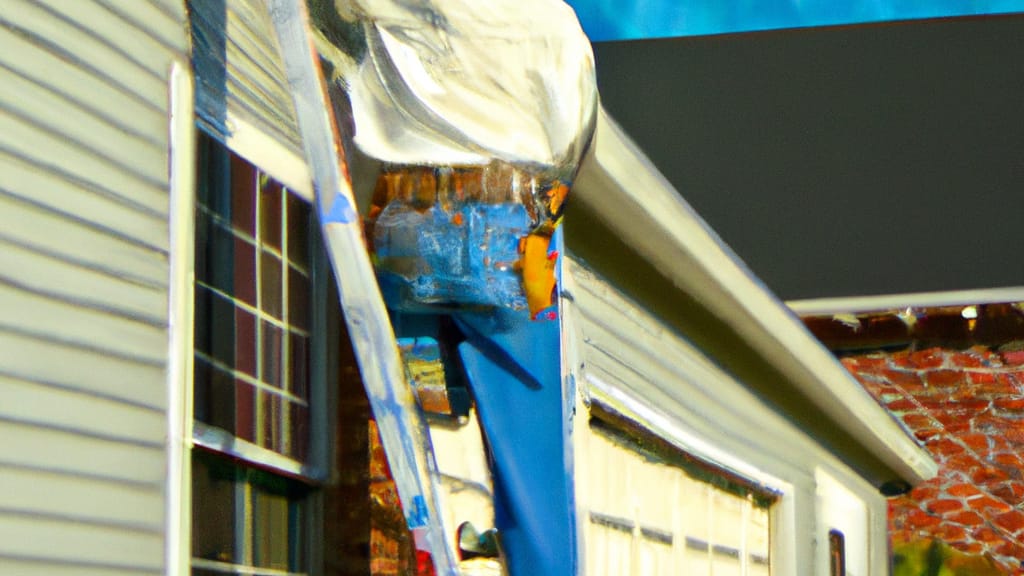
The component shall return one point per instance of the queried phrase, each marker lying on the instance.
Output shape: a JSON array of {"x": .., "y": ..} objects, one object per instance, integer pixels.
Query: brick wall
[
  {"x": 966, "y": 407},
  {"x": 365, "y": 532}
]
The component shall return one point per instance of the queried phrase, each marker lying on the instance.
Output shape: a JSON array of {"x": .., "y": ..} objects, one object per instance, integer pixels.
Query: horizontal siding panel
[
  {"x": 238, "y": 62},
  {"x": 152, "y": 19},
  {"x": 26, "y": 311},
  {"x": 35, "y": 183},
  {"x": 23, "y": 567},
  {"x": 85, "y": 499},
  {"x": 129, "y": 40},
  {"x": 175, "y": 9},
  {"x": 77, "y": 45},
  {"x": 45, "y": 231},
  {"x": 84, "y": 370},
  {"x": 43, "y": 274},
  {"x": 35, "y": 447},
  {"x": 45, "y": 67},
  {"x": 54, "y": 112},
  {"x": 70, "y": 410},
  {"x": 23, "y": 138},
  {"x": 71, "y": 542}
]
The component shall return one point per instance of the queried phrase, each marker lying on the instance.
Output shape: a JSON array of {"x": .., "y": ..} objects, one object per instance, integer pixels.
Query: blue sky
[{"x": 630, "y": 19}]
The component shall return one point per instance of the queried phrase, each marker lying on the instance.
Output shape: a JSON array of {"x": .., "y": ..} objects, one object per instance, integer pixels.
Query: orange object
[{"x": 538, "y": 269}]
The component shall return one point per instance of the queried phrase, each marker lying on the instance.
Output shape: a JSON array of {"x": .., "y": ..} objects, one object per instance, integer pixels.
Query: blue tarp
[
  {"x": 631, "y": 19},
  {"x": 513, "y": 367}
]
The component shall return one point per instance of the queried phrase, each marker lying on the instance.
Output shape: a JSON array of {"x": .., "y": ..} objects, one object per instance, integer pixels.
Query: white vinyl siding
[
  {"x": 242, "y": 92},
  {"x": 83, "y": 283},
  {"x": 632, "y": 365},
  {"x": 649, "y": 517}
]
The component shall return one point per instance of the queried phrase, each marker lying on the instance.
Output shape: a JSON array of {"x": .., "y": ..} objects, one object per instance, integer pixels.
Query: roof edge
[{"x": 637, "y": 207}]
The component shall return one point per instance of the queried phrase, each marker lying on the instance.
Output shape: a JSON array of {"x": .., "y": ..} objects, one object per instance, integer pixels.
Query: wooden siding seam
[
  {"x": 151, "y": 32},
  {"x": 87, "y": 392},
  {"x": 81, "y": 302},
  {"x": 133, "y": 278},
  {"x": 71, "y": 58},
  {"x": 21, "y": 331},
  {"x": 84, "y": 184},
  {"x": 132, "y": 569},
  {"x": 151, "y": 487},
  {"x": 271, "y": 109},
  {"x": 102, "y": 40},
  {"x": 169, "y": 12},
  {"x": 149, "y": 285},
  {"x": 79, "y": 432},
  {"x": 123, "y": 167},
  {"x": 73, "y": 519},
  {"x": 98, "y": 113}
]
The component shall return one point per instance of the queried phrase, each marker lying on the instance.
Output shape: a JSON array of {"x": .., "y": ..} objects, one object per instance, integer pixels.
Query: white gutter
[
  {"x": 856, "y": 304},
  {"x": 637, "y": 208}
]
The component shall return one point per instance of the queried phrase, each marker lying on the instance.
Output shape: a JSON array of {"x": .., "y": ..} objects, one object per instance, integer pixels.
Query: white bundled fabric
[{"x": 465, "y": 82}]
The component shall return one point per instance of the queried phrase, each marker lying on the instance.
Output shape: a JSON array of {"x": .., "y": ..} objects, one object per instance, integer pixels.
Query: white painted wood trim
[
  {"x": 182, "y": 139},
  {"x": 271, "y": 156},
  {"x": 855, "y": 304}
]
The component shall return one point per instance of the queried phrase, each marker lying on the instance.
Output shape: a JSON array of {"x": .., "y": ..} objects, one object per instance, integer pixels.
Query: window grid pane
[{"x": 252, "y": 304}]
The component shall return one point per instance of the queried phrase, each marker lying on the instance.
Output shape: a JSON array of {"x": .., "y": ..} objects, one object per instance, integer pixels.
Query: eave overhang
[{"x": 628, "y": 223}]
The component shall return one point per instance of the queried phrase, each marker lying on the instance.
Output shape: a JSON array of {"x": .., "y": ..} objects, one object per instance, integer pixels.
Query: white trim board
[{"x": 856, "y": 304}]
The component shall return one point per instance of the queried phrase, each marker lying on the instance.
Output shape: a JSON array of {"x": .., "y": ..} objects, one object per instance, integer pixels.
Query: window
[
  {"x": 836, "y": 553},
  {"x": 652, "y": 511},
  {"x": 255, "y": 294}
]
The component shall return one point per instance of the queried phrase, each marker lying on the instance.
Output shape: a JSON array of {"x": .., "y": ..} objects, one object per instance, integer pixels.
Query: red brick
[
  {"x": 966, "y": 462},
  {"x": 944, "y": 506},
  {"x": 924, "y": 492},
  {"x": 918, "y": 519},
  {"x": 944, "y": 447},
  {"x": 923, "y": 359},
  {"x": 917, "y": 421},
  {"x": 963, "y": 490},
  {"x": 972, "y": 548},
  {"x": 905, "y": 379},
  {"x": 975, "y": 441},
  {"x": 945, "y": 378},
  {"x": 951, "y": 532},
  {"x": 1003, "y": 384},
  {"x": 865, "y": 363},
  {"x": 1012, "y": 521},
  {"x": 1010, "y": 548},
  {"x": 1007, "y": 459},
  {"x": 967, "y": 518},
  {"x": 901, "y": 404},
  {"x": 987, "y": 535},
  {"x": 1015, "y": 358},
  {"x": 981, "y": 378},
  {"x": 926, "y": 434},
  {"x": 1012, "y": 432},
  {"x": 1011, "y": 404},
  {"x": 1011, "y": 492},
  {"x": 988, "y": 505},
  {"x": 975, "y": 358}
]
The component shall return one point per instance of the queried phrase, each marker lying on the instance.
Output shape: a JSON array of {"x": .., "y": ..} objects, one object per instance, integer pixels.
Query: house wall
[
  {"x": 84, "y": 273},
  {"x": 624, "y": 359},
  {"x": 966, "y": 407}
]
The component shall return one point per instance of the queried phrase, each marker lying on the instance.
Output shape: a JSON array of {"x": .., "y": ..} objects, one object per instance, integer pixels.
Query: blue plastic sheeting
[
  {"x": 513, "y": 367},
  {"x": 631, "y": 19}
]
